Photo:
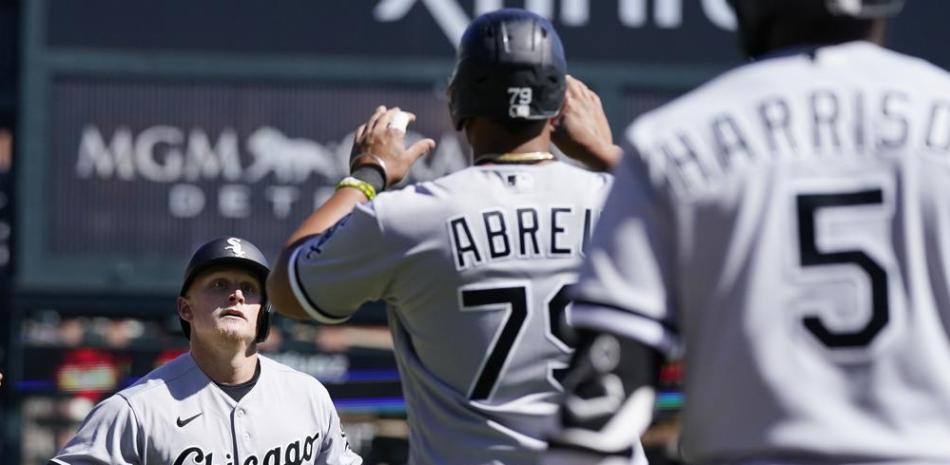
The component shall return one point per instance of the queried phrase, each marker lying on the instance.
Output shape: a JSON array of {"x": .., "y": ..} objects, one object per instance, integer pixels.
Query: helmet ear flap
[{"x": 263, "y": 322}]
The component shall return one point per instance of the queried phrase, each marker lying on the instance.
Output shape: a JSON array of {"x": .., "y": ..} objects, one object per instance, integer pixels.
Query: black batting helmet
[
  {"x": 236, "y": 252},
  {"x": 510, "y": 66},
  {"x": 756, "y": 17}
]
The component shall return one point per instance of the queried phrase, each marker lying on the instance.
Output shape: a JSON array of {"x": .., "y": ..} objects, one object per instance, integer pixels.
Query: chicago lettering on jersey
[
  {"x": 818, "y": 123},
  {"x": 522, "y": 232},
  {"x": 294, "y": 453}
]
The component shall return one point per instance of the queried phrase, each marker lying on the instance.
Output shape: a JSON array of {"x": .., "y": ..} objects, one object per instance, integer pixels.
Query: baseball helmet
[
  {"x": 236, "y": 252},
  {"x": 510, "y": 66},
  {"x": 757, "y": 16}
]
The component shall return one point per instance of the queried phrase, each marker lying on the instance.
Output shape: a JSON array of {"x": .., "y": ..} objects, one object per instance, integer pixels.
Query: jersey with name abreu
[
  {"x": 176, "y": 415},
  {"x": 789, "y": 225},
  {"x": 472, "y": 267}
]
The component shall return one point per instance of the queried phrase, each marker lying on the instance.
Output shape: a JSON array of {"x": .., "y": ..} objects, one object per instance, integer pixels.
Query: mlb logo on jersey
[{"x": 521, "y": 182}]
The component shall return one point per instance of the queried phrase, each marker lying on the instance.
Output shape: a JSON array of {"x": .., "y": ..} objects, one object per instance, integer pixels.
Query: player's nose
[{"x": 237, "y": 296}]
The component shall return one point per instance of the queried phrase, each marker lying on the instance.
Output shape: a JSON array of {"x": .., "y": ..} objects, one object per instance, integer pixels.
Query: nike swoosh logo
[{"x": 182, "y": 423}]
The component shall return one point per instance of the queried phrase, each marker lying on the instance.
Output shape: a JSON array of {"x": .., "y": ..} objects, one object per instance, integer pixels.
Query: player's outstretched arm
[
  {"x": 279, "y": 290},
  {"x": 583, "y": 132},
  {"x": 379, "y": 159}
]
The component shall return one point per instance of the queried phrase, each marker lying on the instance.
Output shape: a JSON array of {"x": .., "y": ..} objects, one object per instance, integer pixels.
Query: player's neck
[
  {"x": 497, "y": 146},
  {"x": 489, "y": 138},
  {"x": 839, "y": 31},
  {"x": 225, "y": 365}
]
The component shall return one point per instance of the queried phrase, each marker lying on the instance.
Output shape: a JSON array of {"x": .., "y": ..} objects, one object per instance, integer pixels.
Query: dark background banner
[
  {"x": 151, "y": 127},
  {"x": 655, "y": 31},
  {"x": 612, "y": 30},
  {"x": 153, "y": 169}
]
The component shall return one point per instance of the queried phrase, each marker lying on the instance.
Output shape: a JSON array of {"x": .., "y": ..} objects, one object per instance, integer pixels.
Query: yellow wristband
[{"x": 363, "y": 186}]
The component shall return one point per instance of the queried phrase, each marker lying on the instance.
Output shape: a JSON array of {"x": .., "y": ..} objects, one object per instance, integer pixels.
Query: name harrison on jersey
[
  {"x": 522, "y": 232},
  {"x": 294, "y": 453},
  {"x": 816, "y": 124}
]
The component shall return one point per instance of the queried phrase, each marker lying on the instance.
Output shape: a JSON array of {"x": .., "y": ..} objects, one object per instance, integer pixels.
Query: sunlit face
[{"x": 222, "y": 303}]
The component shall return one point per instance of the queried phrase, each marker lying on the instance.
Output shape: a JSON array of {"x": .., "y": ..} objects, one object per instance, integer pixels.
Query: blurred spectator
[{"x": 71, "y": 332}]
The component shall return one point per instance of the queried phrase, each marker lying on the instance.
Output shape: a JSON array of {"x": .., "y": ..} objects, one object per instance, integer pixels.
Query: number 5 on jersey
[{"x": 809, "y": 206}]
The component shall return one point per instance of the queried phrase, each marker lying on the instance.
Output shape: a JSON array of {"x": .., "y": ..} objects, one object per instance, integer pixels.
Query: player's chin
[{"x": 235, "y": 330}]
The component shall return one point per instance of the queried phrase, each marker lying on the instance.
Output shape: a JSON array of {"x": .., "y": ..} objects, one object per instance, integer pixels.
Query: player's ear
[
  {"x": 184, "y": 309},
  {"x": 552, "y": 125}
]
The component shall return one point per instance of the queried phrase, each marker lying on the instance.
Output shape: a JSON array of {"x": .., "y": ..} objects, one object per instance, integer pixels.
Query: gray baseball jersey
[
  {"x": 175, "y": 415},
  {"x": 788, "y": 224},
  {"x": 472, "y": 268}
]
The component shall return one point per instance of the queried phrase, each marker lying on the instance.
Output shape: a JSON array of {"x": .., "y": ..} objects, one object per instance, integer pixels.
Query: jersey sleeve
[
  {"x": 626, "y": 283},
  {"x": 108, "y": 436},
  {"x": 336, "y": 448},
  {"x": 351, "y": 263}
]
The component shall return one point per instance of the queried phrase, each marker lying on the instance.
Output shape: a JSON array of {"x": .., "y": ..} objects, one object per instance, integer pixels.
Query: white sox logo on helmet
[{"x": 236, "y": 247}]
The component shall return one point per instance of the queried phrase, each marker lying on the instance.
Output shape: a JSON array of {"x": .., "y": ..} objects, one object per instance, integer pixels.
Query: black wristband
[{"x": 372, "y": 175}]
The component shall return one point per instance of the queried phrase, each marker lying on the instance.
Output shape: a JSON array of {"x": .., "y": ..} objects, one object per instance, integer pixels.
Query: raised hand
[
  {"x": 583, "y": 132},
  {"x": 381, "y": 145}
]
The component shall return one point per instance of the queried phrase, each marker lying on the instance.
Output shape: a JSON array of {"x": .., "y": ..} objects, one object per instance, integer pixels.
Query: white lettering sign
[
  {"x": 234, "y": 201},
  {"x": 452, "y": 19},
  {"x": 106, "y": 161},
  {"x": 185, "y": 201},
  {"x": 291, "y": 161},
  {"x": 282, "y": 198},
  {"x": 189, "y": 159}
]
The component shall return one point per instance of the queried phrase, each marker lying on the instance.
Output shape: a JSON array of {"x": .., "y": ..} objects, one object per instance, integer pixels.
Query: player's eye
[
  {"x": 249, "y": 288},
  {"x": 220, "y": 283}
]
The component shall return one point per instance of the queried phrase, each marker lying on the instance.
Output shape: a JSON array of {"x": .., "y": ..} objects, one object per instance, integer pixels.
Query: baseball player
[
  {"x": 220, "y": 403},
  {"x": 472, "y": 266},
  {"x": 788, "y": 226}
]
